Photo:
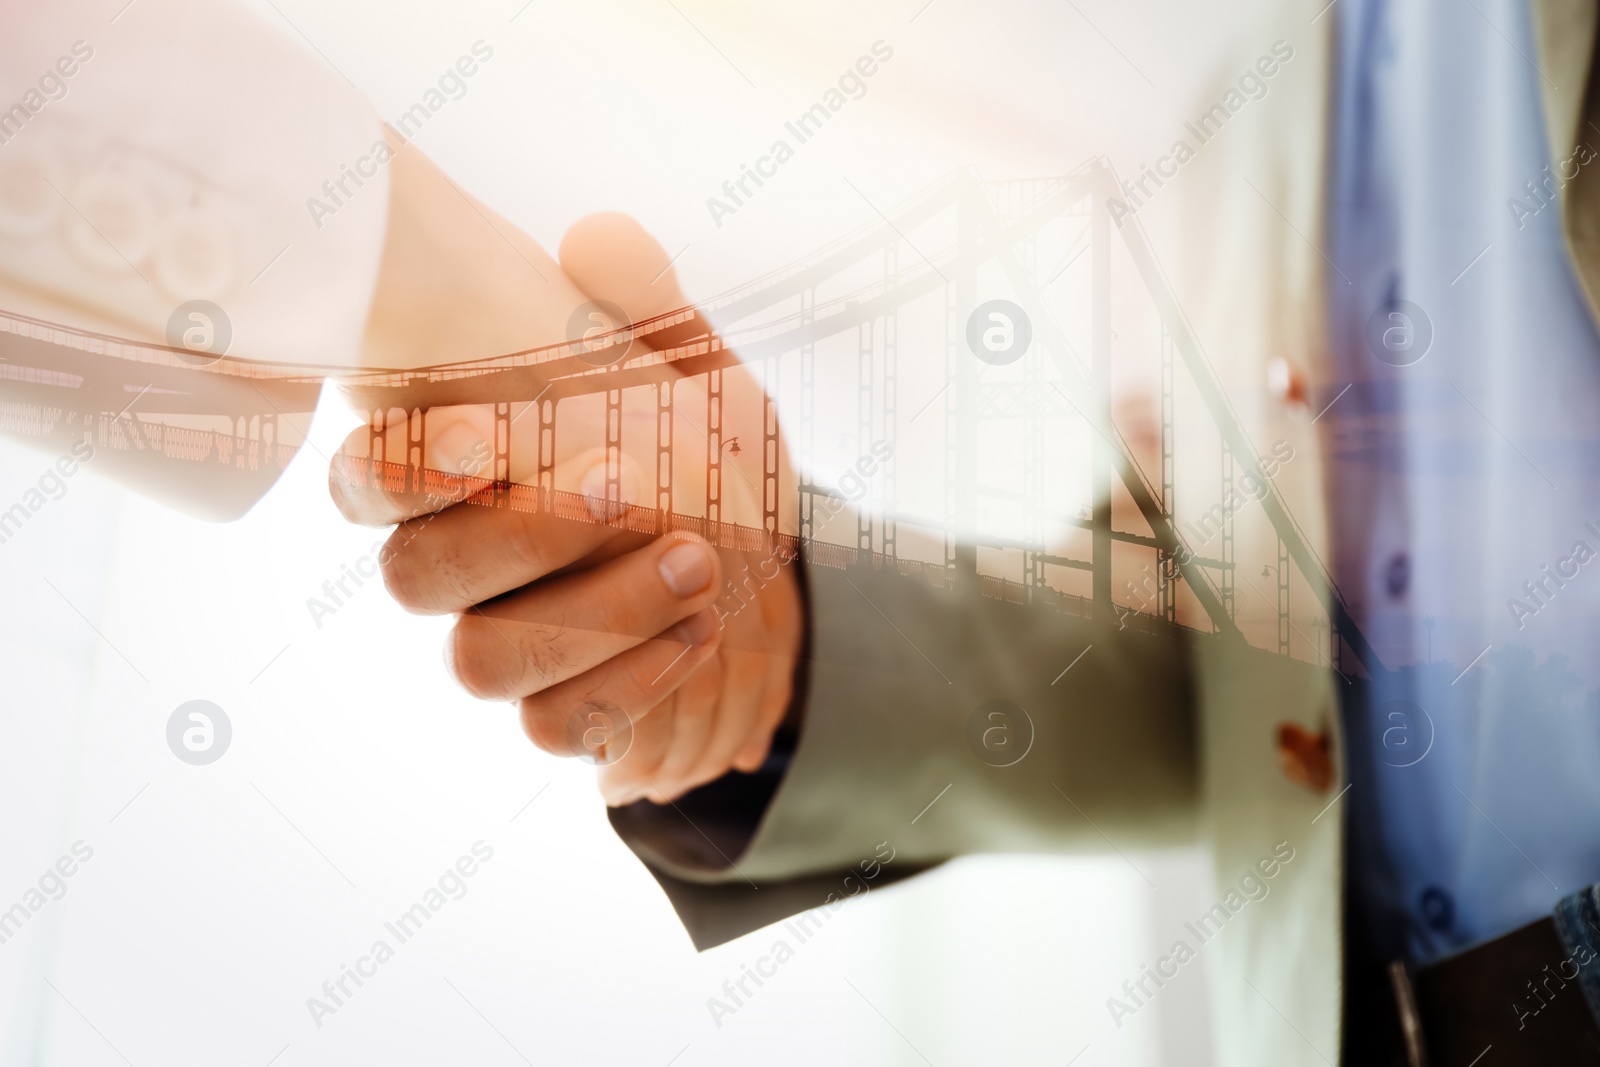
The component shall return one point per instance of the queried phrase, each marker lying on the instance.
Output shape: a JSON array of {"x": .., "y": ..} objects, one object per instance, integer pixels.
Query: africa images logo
[{"x": 999, "y": 332}]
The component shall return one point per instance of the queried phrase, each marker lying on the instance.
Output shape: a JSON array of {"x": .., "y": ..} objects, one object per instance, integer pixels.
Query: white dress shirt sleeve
[{"x": 173, "y": 151}]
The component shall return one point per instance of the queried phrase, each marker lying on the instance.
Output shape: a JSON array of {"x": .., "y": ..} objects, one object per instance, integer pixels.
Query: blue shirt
[{"x": 1464, "y": 476}]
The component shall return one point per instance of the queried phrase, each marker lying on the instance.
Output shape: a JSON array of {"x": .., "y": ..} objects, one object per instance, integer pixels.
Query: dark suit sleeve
[{"x": 888, "y": 762}]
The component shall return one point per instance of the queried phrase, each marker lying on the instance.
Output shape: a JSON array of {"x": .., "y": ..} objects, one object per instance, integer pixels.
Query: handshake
[{"x": 606, "y": 640}]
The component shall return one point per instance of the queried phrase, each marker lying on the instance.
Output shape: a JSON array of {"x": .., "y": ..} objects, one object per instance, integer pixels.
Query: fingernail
[
  {"x": 686, "y": 568},
  {"x": 697, "y": 629}
]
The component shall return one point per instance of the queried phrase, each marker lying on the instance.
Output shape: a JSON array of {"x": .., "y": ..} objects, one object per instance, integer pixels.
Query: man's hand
[{"x": 568, "y": 618}]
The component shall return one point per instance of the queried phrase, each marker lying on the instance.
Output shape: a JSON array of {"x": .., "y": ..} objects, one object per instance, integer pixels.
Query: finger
[
  {"x": 449, "y": 561},
  {"x": 611, "y": 257},
  {"x": 694, "y": 719},
  {"x": 698, "y": 695},
  {"x": 736, "y": 717},
  {"x": 434, "y": 460},
  {"x": 779, "y": 627},
  {"x": 637, "y": 681},
  {"x": 373, "y": 478},
  {"x": 776, "y": 693},
  {"x": 616, "y": 261},
  {"x": 623, "y": 781},
  {"x": 540, "y": 636}
]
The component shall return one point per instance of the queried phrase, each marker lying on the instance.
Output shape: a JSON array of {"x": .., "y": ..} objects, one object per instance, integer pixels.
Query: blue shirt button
[
  {"x": 1438, "y": 908},
  {"x": 1397, "y": 576}
]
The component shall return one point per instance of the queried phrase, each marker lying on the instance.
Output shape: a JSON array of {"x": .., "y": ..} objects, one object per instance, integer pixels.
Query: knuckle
[
  {"x": 509, "y": 659},
  {"x": 662, "y": 793},
  {"x": 693, "y": 778},
  {"x": 355, "y": 501},
  {"x": 544, "y": 727},
  {"x": 695, "y": 712},
  {"x": 544, "y": 655},
  {"x": 452, "y": 589},
  {"x": 478, "y": 665},
  {"x": 673, "y": 769},
  {"x": 525, "y": 549},
  {"x": 340, "y": 489},
  {"x": 643, "y": 767},
  {"x": 426, "y": 577},
  {"x": 400, "y": 575}
]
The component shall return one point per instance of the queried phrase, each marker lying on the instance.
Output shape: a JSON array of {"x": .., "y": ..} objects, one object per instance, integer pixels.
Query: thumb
[{"x": 611, "y": 257}]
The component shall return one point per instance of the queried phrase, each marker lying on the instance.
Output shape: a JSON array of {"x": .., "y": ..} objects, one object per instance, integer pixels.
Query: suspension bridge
[{"x": 892, "y": 299}]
